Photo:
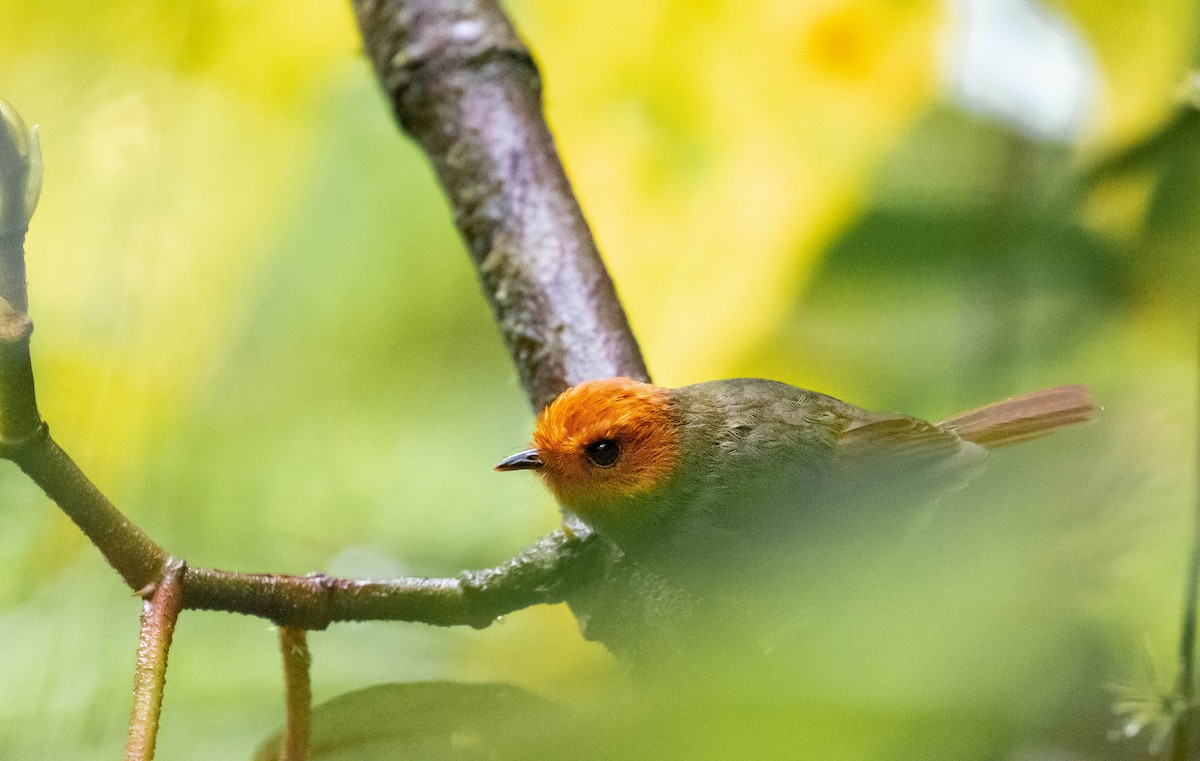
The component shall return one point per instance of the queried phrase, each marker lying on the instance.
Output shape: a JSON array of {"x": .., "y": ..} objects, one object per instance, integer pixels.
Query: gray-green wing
[{"x": 897, "y": 455}]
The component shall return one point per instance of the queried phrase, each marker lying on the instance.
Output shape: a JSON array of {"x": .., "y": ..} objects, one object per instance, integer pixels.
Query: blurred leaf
[
  {"x": 1148, "y": 152},
  {"x": 957, "y": 286},
  {"x": 426, "y": 722},
  {"x": 1163, "y": 232},
  {"x": 1145, "y": 49}
]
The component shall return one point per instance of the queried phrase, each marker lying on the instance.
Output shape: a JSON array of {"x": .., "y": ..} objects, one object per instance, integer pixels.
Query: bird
[{"x": 650, "y": 467}]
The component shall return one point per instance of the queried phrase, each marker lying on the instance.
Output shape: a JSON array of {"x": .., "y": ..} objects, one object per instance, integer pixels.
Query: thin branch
[
  {"x": 160, "y": 611},
  {"x": 465, "y": 87},
  {"x": 298, "y": 691},
  {"x": 551, "y": 571},
  {"x": 548, "y": 572},
  {"x": 133, "y": 554}
]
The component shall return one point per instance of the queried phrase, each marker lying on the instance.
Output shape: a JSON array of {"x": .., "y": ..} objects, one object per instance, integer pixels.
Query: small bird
[{"x": 648, "y": 467}]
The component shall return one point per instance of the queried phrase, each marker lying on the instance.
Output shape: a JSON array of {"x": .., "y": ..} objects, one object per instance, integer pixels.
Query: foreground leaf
[{"x": 428, "y": 721}]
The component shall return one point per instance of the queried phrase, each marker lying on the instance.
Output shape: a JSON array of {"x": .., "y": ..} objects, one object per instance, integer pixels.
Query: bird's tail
[{"x": 1024, "y": 417}]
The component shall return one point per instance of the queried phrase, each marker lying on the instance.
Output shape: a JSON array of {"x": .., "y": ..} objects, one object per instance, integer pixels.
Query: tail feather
[{"x": 1024, "y": 417}]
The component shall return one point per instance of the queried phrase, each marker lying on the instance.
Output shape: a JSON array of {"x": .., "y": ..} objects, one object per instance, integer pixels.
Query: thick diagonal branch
[{"x": 465, "y": 87}]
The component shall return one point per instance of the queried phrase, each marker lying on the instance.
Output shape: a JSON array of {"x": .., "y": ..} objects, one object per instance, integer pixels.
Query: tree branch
[
  {"x": 545, "y": 573},
  {"x": 551, "y": 571},
  {"x": 133, "y": 554},
  {"x": 160, "y": 611},
  {"x": 465, "y": 87}
]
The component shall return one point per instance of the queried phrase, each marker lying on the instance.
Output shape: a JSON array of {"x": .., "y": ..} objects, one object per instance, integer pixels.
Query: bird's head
[{"x": 603, "y": 446}]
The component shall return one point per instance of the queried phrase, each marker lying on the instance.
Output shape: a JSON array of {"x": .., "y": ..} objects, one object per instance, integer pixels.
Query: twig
[
  {"x": 553, "y": 570},
  {"x": 465, "y": 87},
  {"x": 298, "y": 692},
  {"x": 160, "y": 611},
  {"x": 133, "y": 554},
  {"x": 20, "y": 182},
  {"x": 547, "y": 572}
]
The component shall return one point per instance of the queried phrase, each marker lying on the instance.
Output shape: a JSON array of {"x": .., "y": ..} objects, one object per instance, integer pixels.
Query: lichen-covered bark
[{"x": 465, "y": 87}]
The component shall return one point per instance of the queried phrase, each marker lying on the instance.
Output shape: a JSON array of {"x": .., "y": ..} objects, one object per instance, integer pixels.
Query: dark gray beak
[{"x": 527, "y": 460}]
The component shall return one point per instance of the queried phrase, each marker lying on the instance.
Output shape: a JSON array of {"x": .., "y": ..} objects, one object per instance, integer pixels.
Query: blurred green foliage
[{"x": 258, "y": 332}]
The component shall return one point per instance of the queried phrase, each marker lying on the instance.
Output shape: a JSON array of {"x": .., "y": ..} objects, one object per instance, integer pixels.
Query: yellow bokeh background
[{"x": 769, "y": 118}]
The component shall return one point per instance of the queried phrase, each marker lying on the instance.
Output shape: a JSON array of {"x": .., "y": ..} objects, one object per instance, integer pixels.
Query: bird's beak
[{"x": 527, "y": 460}]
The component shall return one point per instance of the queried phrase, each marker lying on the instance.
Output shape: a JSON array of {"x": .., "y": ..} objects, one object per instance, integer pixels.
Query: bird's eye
[{"x": 604, "y": 452}]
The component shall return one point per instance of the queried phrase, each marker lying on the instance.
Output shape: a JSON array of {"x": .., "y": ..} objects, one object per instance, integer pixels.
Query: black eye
[{"x": 604, "y": 452}]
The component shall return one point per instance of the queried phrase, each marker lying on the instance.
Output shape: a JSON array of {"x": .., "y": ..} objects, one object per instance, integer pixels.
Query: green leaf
[{"x": 429, "y": 721}]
